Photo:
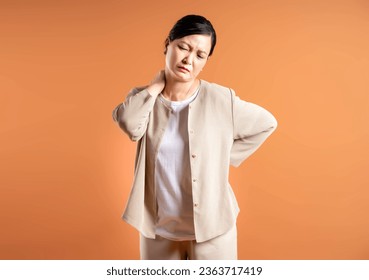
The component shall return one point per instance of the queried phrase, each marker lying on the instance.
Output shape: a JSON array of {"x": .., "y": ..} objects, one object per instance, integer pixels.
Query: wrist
[{"x": 153, "y": 90}]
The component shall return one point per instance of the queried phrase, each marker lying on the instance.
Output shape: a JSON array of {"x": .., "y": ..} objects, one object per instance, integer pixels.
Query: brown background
[{"x": 66, "y": 168}]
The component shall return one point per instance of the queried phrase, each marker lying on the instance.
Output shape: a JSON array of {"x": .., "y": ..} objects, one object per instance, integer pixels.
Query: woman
[{"x": 189, "y": 131}]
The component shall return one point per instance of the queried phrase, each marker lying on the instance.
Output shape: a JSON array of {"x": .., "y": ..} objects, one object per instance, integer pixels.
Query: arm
[
  {"x": 252, "y": 125},
  {"x": 133, "y": 114}
]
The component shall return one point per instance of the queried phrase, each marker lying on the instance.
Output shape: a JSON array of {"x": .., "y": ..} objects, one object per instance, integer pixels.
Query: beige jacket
[{"x": 223, "y": 130}]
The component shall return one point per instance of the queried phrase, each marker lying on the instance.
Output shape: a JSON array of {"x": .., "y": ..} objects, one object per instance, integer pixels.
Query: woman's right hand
[{"x": 157, "y": 84}]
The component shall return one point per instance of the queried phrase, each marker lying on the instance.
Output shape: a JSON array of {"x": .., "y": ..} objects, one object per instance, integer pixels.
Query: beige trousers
[{"x": 223, "y": 247}]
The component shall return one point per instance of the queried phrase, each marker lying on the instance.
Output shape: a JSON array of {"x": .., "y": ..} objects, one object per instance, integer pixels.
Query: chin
[{"x": 180, "y": 76}]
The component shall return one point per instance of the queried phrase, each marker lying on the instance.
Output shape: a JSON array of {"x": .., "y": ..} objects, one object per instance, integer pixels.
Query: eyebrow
[{"x": 191, "y": 47}]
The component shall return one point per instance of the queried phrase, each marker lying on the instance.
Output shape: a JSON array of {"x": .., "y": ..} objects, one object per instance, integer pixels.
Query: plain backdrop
[{"x": 66, "y": 168}]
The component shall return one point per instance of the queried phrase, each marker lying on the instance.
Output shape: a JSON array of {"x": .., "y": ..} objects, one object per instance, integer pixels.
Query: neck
[{"x": 178, "y": 91}]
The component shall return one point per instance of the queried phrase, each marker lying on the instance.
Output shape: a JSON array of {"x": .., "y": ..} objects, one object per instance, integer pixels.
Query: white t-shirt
[{"x": 173, "y": 176}]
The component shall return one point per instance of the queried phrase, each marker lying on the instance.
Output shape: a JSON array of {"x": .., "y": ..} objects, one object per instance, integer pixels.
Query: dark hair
[{"x": 190, "y": 25}]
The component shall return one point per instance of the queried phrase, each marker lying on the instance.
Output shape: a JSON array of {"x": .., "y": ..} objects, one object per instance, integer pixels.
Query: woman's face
[{"x": 186, "y": 57}]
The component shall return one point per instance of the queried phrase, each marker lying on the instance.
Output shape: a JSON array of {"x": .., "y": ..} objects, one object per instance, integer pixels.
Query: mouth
[{"x": 184, "y": 69}]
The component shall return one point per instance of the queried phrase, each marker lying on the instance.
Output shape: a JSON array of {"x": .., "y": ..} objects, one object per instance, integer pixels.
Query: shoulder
[
  {"x": 136, "y": 90},
  {"x": 216, "y": 90}
]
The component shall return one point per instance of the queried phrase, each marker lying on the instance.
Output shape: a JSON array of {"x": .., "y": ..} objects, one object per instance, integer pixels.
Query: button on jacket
[{"x": 223, "y": 130}]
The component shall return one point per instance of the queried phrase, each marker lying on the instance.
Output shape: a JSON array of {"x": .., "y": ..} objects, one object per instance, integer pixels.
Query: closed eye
[{"x": 182, "y": 48}]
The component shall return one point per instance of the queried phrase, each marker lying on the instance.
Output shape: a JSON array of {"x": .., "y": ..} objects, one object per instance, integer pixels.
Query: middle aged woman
[{"x": 189, "y": 131}]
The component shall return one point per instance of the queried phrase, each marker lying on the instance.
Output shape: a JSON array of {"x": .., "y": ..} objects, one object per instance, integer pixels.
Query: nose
[{"x": 188, "y": 59}]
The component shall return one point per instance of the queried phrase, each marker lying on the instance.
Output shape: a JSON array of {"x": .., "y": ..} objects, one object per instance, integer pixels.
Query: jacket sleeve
[
  {"x": 132, "y": 115},
  {"x": 252, "y": 125}
]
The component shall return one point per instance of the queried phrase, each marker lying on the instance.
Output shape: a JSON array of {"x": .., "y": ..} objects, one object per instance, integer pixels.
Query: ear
[{"x": 166, "y": 43}]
